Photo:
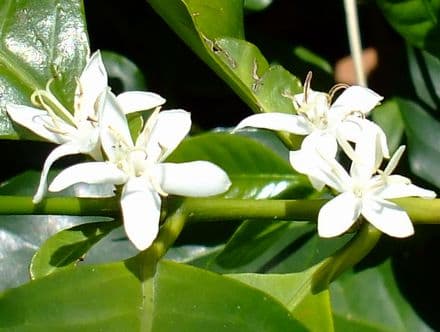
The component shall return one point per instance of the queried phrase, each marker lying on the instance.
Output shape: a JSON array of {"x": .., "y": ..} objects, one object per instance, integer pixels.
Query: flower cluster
[
  {"x": 98, "y": 127},
  {"x": 364, "y": 190}
]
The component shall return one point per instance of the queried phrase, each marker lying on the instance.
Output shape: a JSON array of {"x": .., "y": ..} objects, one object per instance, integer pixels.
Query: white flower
[
  {"x": 323, "y": 123},
  {"x": 77, "y": 132},
  {"x": 364, "y": 191},
  {"x": 140, "y": 168}
]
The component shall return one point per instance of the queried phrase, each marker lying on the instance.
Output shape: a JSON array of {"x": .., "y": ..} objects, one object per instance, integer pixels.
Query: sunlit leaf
[
  {"x": 39, "y": 41},
  {"x": 191, "y": 299},
  {"x": 257, "y": 5}
]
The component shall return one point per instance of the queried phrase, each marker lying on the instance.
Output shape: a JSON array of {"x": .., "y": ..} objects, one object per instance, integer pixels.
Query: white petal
[
  {"x": 114, "y": 130},
  {"x": 400, "y": 186},
  {"x": 35, "y": 120},
  {"x": 135, "y": 101},
  {"x": 356, "y": 99},
  {"x": 167, "y": 132},
  {"x": 141, "y": 212},
  {"x": 338, "y": 215},
  {"x": 194, "y": 179},
  {"x": 312, "y": 97},
  {"x": 320, "y": 141},
  {"x": 387, "y": 217},
  {"x": 58, "y": 152},
  {"x": 93, "y": 173},
  {"x": 291, "y": 123},
  {"x": 92, "y": 82}
]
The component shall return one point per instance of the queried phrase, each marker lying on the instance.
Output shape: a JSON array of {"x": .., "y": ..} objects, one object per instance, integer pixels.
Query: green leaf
[
  {"x": 215, "y": 34},
  {"x": 425, "y": 75},
  {"x": 417, "y": 21},
  {"x": 90, "y": 298},
  {"x": 294, "y": 292},
  {"x": 423, "y": 133},
  {"x": 191, "y": 299},
  {"x": 369, "y": 300},
  {"x": 388, "y": 117},
  {"x": 67, "y": 248},
  {"x": 123, "y": 74},
  {"x": 39, "y": 41}
]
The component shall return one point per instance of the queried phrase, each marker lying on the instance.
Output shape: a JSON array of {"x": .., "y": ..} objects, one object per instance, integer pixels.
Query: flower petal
[
  {"x": 141, "y": 212},
  {"x": 98, "y": 172},
  {"x": 114, "y": 130},
  {"x": 291, "y": 123},
  {"x": 91, "y": 83},
  {"x": 169, "y": 129},
  {"x": 195, "y": 179},
  {"x": 35, "y": 120},
  {"x": 356, "y": 99},
  {"x": 136, "y": 101},
  {"x": 399, "y": 186},
  {"x": 338, "y": 215},
  {"x": 60, "y": 151},
  {"x": 387, "y": 217}
]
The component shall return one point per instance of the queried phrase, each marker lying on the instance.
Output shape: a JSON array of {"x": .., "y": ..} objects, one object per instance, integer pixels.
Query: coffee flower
[
  {"x": 325, "y": 124},
  {"x": 78, "y": 132},
  {"x": 139, "y": 167},
  {"x": 364, "y": 191}
]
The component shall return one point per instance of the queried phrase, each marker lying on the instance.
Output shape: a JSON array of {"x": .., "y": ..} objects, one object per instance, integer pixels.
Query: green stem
[{"x": 421, "y": 211}]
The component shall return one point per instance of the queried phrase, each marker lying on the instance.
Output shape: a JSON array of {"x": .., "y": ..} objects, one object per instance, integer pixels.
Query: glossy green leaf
[
  {"x": 388, "y": 117},
  {"x": 425, "y": 75},
  {"x": 191, "y": 299},
  {"x": 23, "y": 235},
  {"x": 423, "y": 133},
  {"x": 67, "y": 248},
  {"x": 123, "y": 74},
  {"x": 257, "y": 5},
  {"x": 417, "y": 21},
  {"x": 294, "y": 291},
  {"x": 39, "y": 41},
  {"x": 91, "y": 298},
  {"x": 369, "y": 300},
  {"x": 215, "y": 33},
  {"x": 255, "y": 170},
  {"x": 310, "y": 58}
]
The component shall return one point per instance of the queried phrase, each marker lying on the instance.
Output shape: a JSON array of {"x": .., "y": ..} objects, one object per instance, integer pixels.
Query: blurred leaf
[
  {"x": 417, "y": 21},
  {"x": 67, "y": 248},
  {"x": 311, "y": 58},
  {"x": 191, "y": 299},
  {"x": 369, "y": 300},
  {"x": 425, "y": 75},
  {"x": 256, "y": 5},
  {"x": 39, "y": 41},
  {"x": 215, "y": 33},
  {"x": 90, "y": 298},
  {"x": 124, "y": 75},
  {"x": 294, "y": 292},
  {"x": 423, "y": 133},
  {"x": 388, "y": 117}
]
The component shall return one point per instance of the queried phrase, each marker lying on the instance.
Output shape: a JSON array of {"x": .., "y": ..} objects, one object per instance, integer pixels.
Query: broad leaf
[
  {"x": 39, "y": 41},
  {"x": 294, "y": 291},
  {"x": 91, "y": 298},
  {"x": 67, "y": 248},
  {"x": 191, "y": 299},
  {"x": 423, "y": 133},
  {"x": 369, "y": 300},
  {"x": 257, "y": 4},
  {"x": 388, "y": 117},
  {"x": 215, "y": 33},
  {"x": 417, "y": 21}
]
